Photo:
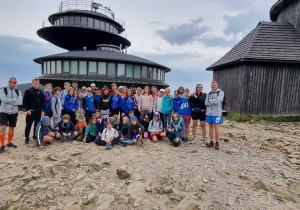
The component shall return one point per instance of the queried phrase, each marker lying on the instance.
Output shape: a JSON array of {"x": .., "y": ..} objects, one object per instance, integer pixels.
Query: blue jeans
[
  {"x": 172, "y": 136},
  {"x": 167, "y": 121}
]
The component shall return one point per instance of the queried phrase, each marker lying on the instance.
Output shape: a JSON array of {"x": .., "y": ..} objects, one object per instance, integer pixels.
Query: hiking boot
[
  {"x": 11, "y": 145},
  {"x": 210, "y": 145},
  {"x": 2, "y": 148},
  {"x": 203, "y": 144},
  {"x": 185, "y": 139},
  {"x": 217, "y": 146},
  {"x": 27, "y": 141},
  {"x": 193, "y": 141}
]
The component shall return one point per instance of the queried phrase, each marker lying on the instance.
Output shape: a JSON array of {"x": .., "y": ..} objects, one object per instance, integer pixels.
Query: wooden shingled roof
[{"x": 268, "y": 42}]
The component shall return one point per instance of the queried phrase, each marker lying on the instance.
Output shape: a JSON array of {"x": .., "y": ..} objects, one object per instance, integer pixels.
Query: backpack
[
  {"x": 48, "y": 109},
  {"x": 160, "y": 122},
  {"x": 56, "y": 102},
  {"x": 224, "y": 99},
  {"x": 5, "y": 91}
]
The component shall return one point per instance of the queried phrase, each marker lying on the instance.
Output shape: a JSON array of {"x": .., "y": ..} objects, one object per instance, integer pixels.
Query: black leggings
[
  {"x": 90, "y": 138},
  {"x": 72, "y": 116},
  {"x": 88, "y": 115},
  {"x": 103, "y": 143}
]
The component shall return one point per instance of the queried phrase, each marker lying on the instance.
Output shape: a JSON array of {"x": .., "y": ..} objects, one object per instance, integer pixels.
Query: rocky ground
[{"x": 258, "y": 168}]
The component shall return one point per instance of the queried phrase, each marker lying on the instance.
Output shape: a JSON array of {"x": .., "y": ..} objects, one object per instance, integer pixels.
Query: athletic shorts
[
  {"x": 157, "y": 135},
  {"x": 186, "y": 119},
  {"x": 198, "y": 116},
  {"x": 9, "y": 119},
  {"x": 214, "y": 119}
]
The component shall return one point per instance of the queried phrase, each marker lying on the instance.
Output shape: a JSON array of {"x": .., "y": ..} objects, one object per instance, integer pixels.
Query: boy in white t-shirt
[{"x": 109, "y": 137}]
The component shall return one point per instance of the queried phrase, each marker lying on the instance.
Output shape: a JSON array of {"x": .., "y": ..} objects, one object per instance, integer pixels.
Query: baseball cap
[
  {"x": 156, "y": 114},
  {"x": 133, "y": 118},
  {"x": 176, "y": 92},
  {"x": 162, "y": 90},
  {"x": 93, "y": 84},
  {"x": 104, "y": 112},
  {"x": 83, "y": 88}
]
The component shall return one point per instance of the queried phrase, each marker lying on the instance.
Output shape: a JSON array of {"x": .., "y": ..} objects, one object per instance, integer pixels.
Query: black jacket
[
  {"x": 33, "y": 99},
  {"x": 198, "y": 102},
  {"x": 133, "y": 130},
  {"x": 104, "y": 102}
]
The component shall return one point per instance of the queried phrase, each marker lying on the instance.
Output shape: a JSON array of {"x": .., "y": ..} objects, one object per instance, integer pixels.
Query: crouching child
[
  {"x": 44, "y": 132},
  {"x": 80, "y": 127},
  {"x": 109, "y": 137},
  {"x": 176, "y": 130},
  {"x": 156, "y": 128},
  {"x": 66, "y": 129},
  {"x": 135, "y": 132}
]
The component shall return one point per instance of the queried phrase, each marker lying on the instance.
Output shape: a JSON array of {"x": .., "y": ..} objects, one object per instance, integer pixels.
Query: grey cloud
[
  {"x": 184, "y": 33},
  {"x": 218, "y": 42}
]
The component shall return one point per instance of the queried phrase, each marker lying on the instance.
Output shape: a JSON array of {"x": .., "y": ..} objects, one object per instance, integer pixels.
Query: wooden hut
[{"x": 261, "y": 74}]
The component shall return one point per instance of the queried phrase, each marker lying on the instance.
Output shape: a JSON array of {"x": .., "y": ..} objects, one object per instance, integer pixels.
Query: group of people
[{"x": 118, "y": 115}]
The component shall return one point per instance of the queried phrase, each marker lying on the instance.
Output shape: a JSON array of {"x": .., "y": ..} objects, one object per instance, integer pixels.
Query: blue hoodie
[
  {"x": 70, "y": 103},
  {"x": 127, "y": 104},
  {"x": 88, "y": 104},
  {"x": 176, "y": 104},
  {"x": 42, "y": 129},
  {"x": 97, "y": 100},
  {"x": 47, "y": 100},
  {"x": 167, "y": 105},
  {"x": 185, "y": 108},
  {"x": 116, "y": 102}
]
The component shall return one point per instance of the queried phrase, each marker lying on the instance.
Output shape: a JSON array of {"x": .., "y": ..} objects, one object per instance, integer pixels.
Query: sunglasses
[
  {"x": 175, "y": 116},
  {"x": 12, "y": 82},
  {"x": 199, "y": 87},
  {"x": 89, "y": 91}
]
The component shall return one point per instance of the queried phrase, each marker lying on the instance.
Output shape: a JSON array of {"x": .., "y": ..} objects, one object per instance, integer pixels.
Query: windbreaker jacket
[
  {"x": 167, "y": 105},
  {"x": 33, "y": 100},
  {"x": 10, "y": 103},
  {"x": 213, "y": 103},
  {"x": 116, "y": 102},
  {"x": 70, "y": 103},
  {"x": 88, "y": 104},
  {"x": 127, "y": 104}
]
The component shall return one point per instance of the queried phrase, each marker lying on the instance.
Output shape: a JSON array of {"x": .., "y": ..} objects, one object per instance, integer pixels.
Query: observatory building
[{"x": 97, "y": 49}]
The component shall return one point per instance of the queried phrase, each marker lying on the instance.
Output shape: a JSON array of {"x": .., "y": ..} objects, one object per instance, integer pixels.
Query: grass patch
[{"x": 247, "y": 118}]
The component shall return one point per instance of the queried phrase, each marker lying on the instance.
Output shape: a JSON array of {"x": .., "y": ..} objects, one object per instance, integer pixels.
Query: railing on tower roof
[{"x": 66, "y": 5}]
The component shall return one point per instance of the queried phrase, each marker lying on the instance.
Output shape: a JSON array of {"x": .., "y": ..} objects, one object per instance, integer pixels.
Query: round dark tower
[{"x": 97, "y": 49}]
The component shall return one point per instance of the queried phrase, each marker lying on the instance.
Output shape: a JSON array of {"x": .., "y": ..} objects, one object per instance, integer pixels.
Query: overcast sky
[{"x": 187, "y": 36}]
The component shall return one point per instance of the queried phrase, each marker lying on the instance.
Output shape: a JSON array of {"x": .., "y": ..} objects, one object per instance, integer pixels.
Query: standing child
[
  {"x": 156, "y": 128},
  {"x": 71, "y": 104},
  {"x": 109, "y": 137},
  {"x": 91, "y": 131},
  {"x": 80, "y": 127},
  {"x": 56, "y": 106},
  {"x": 128, "y": 103},
  {"x": 145, "y": 122},
  {"x": 47, "y": 99},
  {"x": 167, "y": 107},
  {"x": 44, "y": 132},
  {"x": 176, "y": 130},
  {"x": 67, "y": 86},
  {"x": 176, "y": 101},
  {"x": 116, "y": 101},
  {"x": 145, "y": 103},
  {"x": 185, "y": 112},
  {"x": 88, "y": 104},
  {"x": 158, "y": 104},
  {"x": 104, "y": 102},
  {"x": 79, "y": 111},
  {"x": 97, "y": 97},
  {"x": 66, "y": 129}
]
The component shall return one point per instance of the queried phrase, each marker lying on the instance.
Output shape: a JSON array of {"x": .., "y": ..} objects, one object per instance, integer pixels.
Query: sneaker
[
  {"x": 185, "y": 139},
  {"x": 203, "y": 144},
  {"x": 210, "y": 145},
  {"x": 193, "y": 141},
  {"x": 34, "y": 138},
  {"x": 11, "y": 145},
  {"x": 27, "y": 141},
  {"x": 2, "y": 148},
  {"x": 217, "y": 146},
  {"x": 108, "y": 146}
]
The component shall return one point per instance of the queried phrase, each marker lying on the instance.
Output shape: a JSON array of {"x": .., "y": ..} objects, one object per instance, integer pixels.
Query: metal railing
[
  {"x": 59, "y": 21},
  {"x": 89, "y": 6}
]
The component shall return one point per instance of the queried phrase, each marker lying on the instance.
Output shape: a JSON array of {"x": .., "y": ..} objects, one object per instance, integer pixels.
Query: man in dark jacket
[
  {"x": 10, "y": 98},
  {"x": 33, "y": 102}
]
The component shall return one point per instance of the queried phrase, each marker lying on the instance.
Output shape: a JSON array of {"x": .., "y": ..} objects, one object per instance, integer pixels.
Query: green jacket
[{"x": 91, "y": 130}]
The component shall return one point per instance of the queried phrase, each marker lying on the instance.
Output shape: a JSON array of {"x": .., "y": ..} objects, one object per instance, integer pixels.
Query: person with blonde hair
[
  {"x": 146, "y": 103},
  {"x": 167, "y": 107},
  {"x": 47, "y": 98}
]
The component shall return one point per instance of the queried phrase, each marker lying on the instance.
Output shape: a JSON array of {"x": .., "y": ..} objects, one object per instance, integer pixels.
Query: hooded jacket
[
  {"x": 158, "y": 103},
  {"x": 127, "y": 104},
  {"x": 10, "y": 103},
  {"x": 47, "y": 106},
  {"x": 146, "y": 103},
  {"x": 104, "y": 102},
  {"x": 68, "y": 127},
  {"x": 178, "y": 127},
  {"x": 155, "y": 126},
  {"x": 42, "y": 129},
  {"x": 116, "y": 102},
  {"x": 88, "y": 103},
  {"x": 133, "y": 130},
  {"x": 56, "y": 105},
  {"x": 176, "y": 104},
  {"x": 70, "y": 103},
  {"x": 167, "y": 105},
  {"x": 213, "y": 103}
]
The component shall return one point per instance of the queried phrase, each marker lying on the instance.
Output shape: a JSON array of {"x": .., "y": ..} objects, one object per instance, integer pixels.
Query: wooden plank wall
[
  {"x": 231, "y": 81},
  {"x": 261, "y": 89},
  {"x": 291, "y": 14}
]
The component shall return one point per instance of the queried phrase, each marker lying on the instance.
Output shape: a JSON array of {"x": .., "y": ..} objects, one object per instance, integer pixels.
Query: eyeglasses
[{"x": 12, "y": 82}]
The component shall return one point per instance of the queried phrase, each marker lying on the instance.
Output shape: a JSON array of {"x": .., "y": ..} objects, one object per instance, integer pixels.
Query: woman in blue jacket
[
  {"x": 167, "y": 107},
  {"x": 116, "y": 102},
  {"x": 71, "y": 104},
  {"x": 128, "y": 103}
]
